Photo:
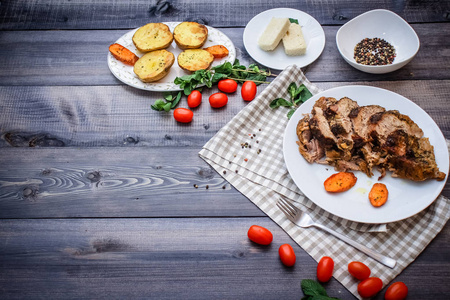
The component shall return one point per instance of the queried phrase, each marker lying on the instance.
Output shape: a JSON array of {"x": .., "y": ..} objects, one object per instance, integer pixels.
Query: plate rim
[
  {"x": 150, "y": 86},
  {"x": 440, "y": 138},
  {"x": 300, "y": 65}
]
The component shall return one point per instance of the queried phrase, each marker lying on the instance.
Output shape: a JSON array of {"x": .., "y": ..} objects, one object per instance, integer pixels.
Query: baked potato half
[
  {"x": 154, "y": 65},
  {"x": 152, "y": 36},
  {"x": 190, "y": 35},
  {"x": 195, "y": 59}
]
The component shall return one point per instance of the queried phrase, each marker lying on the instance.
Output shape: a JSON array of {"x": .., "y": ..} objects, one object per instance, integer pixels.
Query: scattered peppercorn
[
  {"x": 223, "y": 187},
  {"x": 224, "y": 172},
  {"x": 196, "y": 186},
  {"x": 207, "y": 186},
  {"x": 374, "y": 52}
]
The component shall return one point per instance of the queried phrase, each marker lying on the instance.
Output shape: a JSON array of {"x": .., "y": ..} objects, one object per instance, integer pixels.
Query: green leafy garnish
[
  {"x": 293, "y": 20},
  {"x": 314, "y": 291},
  {"x": 234, "y": 71},
  {"x": 170, "y": 101},
  {"x": 297, "y": 95}
]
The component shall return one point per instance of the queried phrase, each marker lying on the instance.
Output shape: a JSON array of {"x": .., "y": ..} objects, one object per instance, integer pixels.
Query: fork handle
[{"x": 387, "y": 261}]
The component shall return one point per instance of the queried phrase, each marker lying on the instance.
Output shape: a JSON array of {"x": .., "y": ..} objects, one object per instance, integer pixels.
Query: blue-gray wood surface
[{"x": 97, "y": 196}]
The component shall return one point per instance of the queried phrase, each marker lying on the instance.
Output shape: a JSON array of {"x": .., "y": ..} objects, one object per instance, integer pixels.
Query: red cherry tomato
[
  {"x": 397, "y": 291},
  {"x": 194, "y": 99},
  {"x": 183, "y": 115},
  {"x": 218, "y": 100},
  {"x": 260, "y": 235},
  {"x": 358, "y": 270},
  {"x": 287, "y": 255},
  {"x": 248, "y": 91},
  {"x": 325, "y": 269},
  {"x": 227, "y": 85},
  {"x": 370, "y": 287}
]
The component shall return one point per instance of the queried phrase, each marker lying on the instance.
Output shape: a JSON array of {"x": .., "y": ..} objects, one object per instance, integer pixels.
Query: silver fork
[{"x": 302, "y": 219}]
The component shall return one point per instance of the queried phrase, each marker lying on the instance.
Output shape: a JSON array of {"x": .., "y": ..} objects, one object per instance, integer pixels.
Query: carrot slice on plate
[
  {"x": 123, "y": 54},
  {"x": 378, "y": 195},
  {"x": 340, "y": 182}
]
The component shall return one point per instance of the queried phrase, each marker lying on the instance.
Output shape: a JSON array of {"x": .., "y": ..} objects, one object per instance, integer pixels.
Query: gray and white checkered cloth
[{"x": 250, "y": 149}]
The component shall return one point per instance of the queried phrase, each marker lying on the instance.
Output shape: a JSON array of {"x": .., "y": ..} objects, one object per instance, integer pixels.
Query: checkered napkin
[{"x": 247, "y": 152}]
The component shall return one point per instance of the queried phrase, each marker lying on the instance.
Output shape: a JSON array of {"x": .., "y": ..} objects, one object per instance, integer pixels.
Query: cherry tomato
[
  {"x": 370, "y": 287},
  {"x": 218, "y": 100},
  {"x": 183, "y": 115},
  {"x": 325, "y": 269},
  {"x": 397, "y": 291},
  {"x": 287, "y": 255},
  {"x": 194, "y": 99},
  {"x": 227, "y": 85},
  {"x": 358, "y": 270},
  {"x": 260, "y": 235},
  {"x": 248, "y": 91}
]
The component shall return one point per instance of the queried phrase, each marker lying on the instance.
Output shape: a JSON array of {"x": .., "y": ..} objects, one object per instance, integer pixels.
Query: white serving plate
[
  {"x": 125, "y": 72},
  {"x": 277, "y": 59},
  {"x": 406, "y": 197}
]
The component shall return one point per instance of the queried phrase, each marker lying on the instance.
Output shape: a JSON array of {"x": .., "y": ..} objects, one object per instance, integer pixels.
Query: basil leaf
[
  {"x": 290, "y": 113},
  {"x": 167, "y": 106},
  {"x": 293, "y": 20},
  {"x": 176, "y": 101},
  {"x": 280, "y": 102},
  {"x": 292, "y": 88},
  {"x": 217, "y": 77},
  {"x": 158, "y": 105},
  {"x": 312, "y": 288},
  {"x": 305, "y": 94},
  {"x": 168, "y": 97}
]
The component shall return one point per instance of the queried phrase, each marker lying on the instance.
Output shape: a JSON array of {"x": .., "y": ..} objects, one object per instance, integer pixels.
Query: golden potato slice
[
  {"x": 195, "y": 59},
  {"x": 190, "y": 35},
  {"x": 152, "y": 36},
  {"x": 154, "y": 65}
]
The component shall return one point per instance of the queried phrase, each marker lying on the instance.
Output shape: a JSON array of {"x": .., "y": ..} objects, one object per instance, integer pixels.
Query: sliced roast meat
[
  {"x": 353, "y": 138},
  {"x": 308, "y": 146}
]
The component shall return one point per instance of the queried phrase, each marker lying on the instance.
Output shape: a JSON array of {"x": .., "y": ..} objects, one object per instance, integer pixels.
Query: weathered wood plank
[
  {"x": 79, "y": 57},
  {"x": 120, "y": 116},
  {"x": 110, "y": 14},
  {"x": 156, "y": 258},
  {"x": 114, "y": 182}
]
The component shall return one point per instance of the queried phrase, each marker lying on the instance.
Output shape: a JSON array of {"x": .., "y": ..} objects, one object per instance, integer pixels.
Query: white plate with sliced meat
[{"x": 406, "y": 197}]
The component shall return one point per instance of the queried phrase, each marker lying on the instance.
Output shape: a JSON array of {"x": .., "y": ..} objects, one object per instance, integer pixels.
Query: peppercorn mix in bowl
[{"x": 378, "y": 41}]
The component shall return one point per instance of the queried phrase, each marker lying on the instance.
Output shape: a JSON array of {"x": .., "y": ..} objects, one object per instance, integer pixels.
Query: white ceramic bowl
[{"x": 383, "y": 24}]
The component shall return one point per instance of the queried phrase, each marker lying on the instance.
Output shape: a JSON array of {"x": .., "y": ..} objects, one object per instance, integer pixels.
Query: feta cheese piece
[
  {"x": 274, "y": 32},
  {"x": 294, "y": 42}
]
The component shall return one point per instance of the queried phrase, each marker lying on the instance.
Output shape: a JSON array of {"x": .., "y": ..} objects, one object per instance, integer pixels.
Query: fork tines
[{"x": 287, "y": 207}]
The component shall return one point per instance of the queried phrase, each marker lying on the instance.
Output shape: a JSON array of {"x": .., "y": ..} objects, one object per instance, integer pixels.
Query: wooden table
[{"x": 97, "y": 196}]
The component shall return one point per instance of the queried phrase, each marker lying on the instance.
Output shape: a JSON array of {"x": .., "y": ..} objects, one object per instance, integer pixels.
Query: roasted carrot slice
[
  {"x": 340, "y": 182},
  {"x": 378, "y": 195},
  {"x": 218, "y": 51},
  {"x": 123, "y": 54}
]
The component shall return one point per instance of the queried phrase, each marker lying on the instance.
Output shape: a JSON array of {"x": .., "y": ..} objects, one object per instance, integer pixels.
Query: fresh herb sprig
[
  {"x": 170, "y": 101},
  {"x": 314, "y": 291},
  {"x": 235, "y": 71},
  {"x": 297, "y": 95}
]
